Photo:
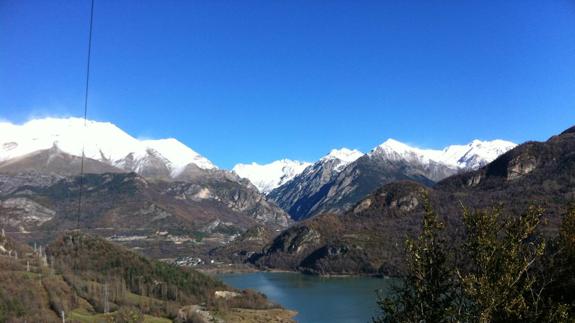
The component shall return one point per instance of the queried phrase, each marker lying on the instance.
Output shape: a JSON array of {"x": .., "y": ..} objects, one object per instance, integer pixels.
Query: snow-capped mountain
[
  {"x": 341, "y": 157},
  {"x": 294, "y": 195},
  {"x": 470, "y": 156},
  {"x": 44, "y": 151},
  {"x": 101, "y": 141},
  {"x": 477, "y": 153},
  {"x": 334, "y": 184},
  {"x": 269, "y": 176}
]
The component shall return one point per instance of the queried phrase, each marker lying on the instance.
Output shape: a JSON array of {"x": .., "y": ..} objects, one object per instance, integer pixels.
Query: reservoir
[{"x": 316, "y": 299}]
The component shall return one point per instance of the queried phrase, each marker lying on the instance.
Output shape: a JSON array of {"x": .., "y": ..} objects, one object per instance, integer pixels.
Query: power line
[
  {"x": 85, "y": 113},
  {"x": 81, "y": 191}
]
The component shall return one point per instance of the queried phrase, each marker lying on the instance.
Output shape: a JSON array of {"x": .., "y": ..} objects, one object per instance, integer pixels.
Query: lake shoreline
[{"x": 235, "y": 269}]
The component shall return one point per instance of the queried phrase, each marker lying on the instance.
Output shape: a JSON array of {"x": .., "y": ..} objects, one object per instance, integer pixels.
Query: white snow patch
[
  {"x": 470, "y": 156},
  {"x": 343, "y": 156},
  {"x": 178, "y": 154},
  {"x": 101, "y": 141},
  {"x": 203, "y": 194},
  {"x": 269, "y": 176}
]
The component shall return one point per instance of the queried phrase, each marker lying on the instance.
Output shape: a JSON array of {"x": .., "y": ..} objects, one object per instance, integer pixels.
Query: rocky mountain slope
[
  {"x": 161, "y": 218},
  {"x": 55, "y": 162},
  {"x": 133, "y": 189},
  {"x": 369, "y": 237},
  {"x": 327, "y": 186},
  {"x": 300, "y": 196}
]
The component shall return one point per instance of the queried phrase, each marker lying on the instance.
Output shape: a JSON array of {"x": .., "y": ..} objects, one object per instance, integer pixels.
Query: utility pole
[{"x": 106, "y": 305}]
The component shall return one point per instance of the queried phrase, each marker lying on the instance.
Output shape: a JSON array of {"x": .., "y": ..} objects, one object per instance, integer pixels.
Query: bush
[
  {"x": 508, "y": 272},
  {"x": 127, "y": 315}
]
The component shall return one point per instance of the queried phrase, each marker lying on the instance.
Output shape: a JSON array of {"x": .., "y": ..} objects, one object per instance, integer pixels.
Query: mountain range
[
  {"x": 157, "y": 196},
  {"x": 335, "y": 183},
  {"x": 165, "y": 200},
  {"x": 369, "y": 237}
]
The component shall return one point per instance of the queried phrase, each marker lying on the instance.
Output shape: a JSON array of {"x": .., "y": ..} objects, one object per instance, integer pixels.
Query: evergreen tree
[
  {"x": 501, "y": 283},
  {"x": 506, "y": 273},
  {"x": 427, "y": 293}
]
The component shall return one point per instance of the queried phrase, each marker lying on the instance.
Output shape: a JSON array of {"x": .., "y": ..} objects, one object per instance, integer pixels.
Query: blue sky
[{"x": 242, "y": 81}]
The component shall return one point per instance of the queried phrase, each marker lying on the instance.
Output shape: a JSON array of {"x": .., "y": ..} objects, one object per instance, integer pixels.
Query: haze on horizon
[{"x": 271, "y": 80}]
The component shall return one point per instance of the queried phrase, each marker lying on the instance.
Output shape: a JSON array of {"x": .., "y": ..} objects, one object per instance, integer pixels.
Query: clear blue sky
[{"x": 242, "y": 81}]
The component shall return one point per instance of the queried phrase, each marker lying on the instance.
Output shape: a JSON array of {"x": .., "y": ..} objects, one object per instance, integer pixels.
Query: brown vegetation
[{"x": 86, "y": 276}]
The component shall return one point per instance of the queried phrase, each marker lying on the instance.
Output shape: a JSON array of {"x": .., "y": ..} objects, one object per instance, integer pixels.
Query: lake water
[{"x": 316, "y": 299}]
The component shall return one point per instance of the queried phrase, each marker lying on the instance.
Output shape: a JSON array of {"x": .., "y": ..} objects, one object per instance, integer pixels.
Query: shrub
[{"x": 507, "y": 273}]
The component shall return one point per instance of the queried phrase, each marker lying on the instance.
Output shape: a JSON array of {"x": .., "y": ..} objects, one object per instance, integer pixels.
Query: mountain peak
[
  {"x": 395, "y": 144},
  {"x": 101, "y": 141},
  {"x": 475, "y": 154},
  {"x": 266, "y": 177},
  {"x": 469, "y": 156},
  {"x": 343, "y": 154},
  {"x": 178, "y": 154},
  {"x": 395, "y": 150}
]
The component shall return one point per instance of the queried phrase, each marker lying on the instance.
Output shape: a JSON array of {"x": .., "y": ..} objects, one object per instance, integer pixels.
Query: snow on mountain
[
  {"x": 101, "y": 141},
  {"x": 269, "y": 176},
  {"x": 477, "y": 153},
  {"x": 178, "y": 154},
  {"x": 470, "y": 156},
  {"x": 273, "y": 175},
  {"x": 343, "y": 156}
]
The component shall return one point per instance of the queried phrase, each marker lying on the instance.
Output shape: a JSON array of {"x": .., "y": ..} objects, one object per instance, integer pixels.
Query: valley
[
  {"x": 166, "y": 201},
  {"x": 347, "y": 214},
  {"x": 287, "y": 161}
]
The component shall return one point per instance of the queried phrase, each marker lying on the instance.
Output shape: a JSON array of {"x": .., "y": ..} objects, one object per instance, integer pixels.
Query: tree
[
  {"x": 560, "y": 292},
  {"x": 428, "y": 292},
  {"x": 566, "y": 267},
  {"x": 501, "y": 282},
  {"x": 507, "y": 272}
]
